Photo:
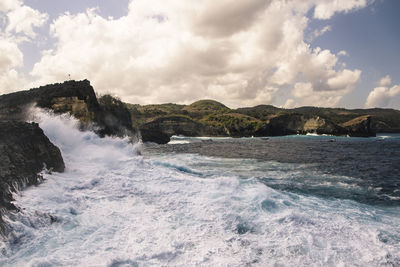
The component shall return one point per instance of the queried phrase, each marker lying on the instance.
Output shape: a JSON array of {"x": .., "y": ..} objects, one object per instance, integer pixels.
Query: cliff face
[
  {"x": 157, "y": 123},
  {"x": 24, "y": 152},
  {"x": 287, "y": 124},
  {"x": 210, "y": 118},
  {"x": 167, "y": 126},
  {"x": 60, "y": 96},
  {"x": 75, "y": 97},
  {"x": 359, "y": 127}
]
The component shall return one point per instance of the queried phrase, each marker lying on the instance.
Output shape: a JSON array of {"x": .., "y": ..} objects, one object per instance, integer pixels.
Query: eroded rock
[{"x": 24, "y": 152}]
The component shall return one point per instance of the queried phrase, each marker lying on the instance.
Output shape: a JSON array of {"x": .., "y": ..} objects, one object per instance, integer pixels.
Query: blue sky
[
  {"x": 371, "y": 38},
  {"x": 333, "y": 53}
]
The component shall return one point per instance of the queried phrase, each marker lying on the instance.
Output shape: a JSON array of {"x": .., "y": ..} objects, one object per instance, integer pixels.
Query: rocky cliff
[
  {"x": 24, "y": 152},
  {"x": 75, "y": 97},
  {"x": 287, "y": 124},
  {"x": 162, "y": 128},
  {"x": 359, "y": 127},
  {"x": 210, "y": 118}
]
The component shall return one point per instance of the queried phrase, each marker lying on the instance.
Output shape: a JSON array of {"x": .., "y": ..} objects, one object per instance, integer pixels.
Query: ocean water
[{"x": 298, "y": 200}]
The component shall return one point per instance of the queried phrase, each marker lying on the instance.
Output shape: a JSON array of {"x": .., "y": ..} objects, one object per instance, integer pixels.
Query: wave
[{"x": 114, "y": 206}]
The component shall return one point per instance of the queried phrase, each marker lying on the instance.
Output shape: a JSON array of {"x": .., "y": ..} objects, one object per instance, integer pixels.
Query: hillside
[{"x": 215, "y": 119}]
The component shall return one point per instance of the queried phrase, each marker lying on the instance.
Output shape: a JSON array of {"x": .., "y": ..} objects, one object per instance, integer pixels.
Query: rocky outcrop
[
  {"x": 73, "y": 105},
  {"x": 288, "y": 124},
  {"x": 359, "y": 127},
  {"x": 24, "y": 152},
  {"x": 263, "y": 120},
  {"x": 114, "y": 117},
  {"x": 161, "y": 129},
  {"x": 75, "y": 97}
]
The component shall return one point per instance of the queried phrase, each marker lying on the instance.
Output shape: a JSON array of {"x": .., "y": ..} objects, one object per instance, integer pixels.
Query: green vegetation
[
  {"x": 215, "y": 114},
  {"x": 207, "y": 105},
  {"x": 109, "y": 101},
  {"x": 199, "y": 109},
  {"x": 234, "y": 124}
]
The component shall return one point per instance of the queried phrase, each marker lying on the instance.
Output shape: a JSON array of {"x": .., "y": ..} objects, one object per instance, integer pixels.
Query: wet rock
[
  {"x": 75, "y": 97},
  {"x": 24, "y": 152}
]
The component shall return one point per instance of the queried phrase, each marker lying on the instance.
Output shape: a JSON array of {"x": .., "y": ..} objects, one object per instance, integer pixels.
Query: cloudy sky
[{"x": 331, "y": 53}]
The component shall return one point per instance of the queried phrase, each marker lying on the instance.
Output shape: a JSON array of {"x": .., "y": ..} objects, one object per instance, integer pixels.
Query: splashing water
[{"x": 114, "y": 207}]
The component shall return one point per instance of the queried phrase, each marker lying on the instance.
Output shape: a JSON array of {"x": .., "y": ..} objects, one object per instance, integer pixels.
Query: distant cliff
[
  {"x": 211, "y": 118},
  {"x": 157, "y": 123}
]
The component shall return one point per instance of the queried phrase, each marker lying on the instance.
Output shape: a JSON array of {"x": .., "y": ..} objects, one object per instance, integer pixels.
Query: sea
[{"x": 274, "y": 201}]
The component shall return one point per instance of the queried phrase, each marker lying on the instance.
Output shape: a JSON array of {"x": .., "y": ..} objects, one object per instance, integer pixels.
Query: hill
[{"x": 213, "y": 118}]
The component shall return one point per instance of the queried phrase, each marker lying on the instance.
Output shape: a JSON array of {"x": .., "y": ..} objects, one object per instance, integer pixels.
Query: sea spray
[{"x": 113, "y": 207}]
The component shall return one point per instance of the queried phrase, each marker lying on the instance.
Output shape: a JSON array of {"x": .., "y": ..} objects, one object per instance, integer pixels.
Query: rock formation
[
  {"x": 359, "y": 127},
  {"x": 287, "y": 124},
  {"x": 161, "y": 129},
  {"x": 210, "y": 118},
  {"x": 24, "y": 152},
  {"x": 75, "y": 97}
]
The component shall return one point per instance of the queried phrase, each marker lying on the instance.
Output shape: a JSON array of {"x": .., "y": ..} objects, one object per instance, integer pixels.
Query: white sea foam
[{"x": 113, "y": 207}]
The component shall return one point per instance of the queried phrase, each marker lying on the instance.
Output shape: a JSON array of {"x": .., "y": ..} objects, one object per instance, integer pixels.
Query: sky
[{"x": 288, "y": 53}]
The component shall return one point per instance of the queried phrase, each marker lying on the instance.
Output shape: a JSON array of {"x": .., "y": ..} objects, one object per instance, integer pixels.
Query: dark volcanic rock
[
  {"x": 359, "y": 127},
  {"x": 114, "y": 116},
  {"x": 75, "y": 97},
  {"x": 49, "y": 95},
  {"x": 287, "y": 124},
  {"x": 24, "y": 152},
  {"x": 161, "y": 129}
]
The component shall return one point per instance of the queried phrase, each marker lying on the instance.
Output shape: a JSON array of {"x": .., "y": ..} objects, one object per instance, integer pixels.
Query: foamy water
[{"x": 114, "y": 207}]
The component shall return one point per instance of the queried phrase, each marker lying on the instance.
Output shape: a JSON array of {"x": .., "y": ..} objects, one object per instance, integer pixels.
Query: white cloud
[
  {"x": 307, "y": 95},
  {"x": 7, "y": 5},
  {"x": 318, "y": 32},
  {"x": 383, "y": 96},
  {"x": 385, "y": 81},
  {"x": 326, "y": 9},
  {"x": 290, "y": 103},
  {"x": 10, "y": 59},
  {"x": 23, "y": 18},
  {"x": 180, "y": 51},
  {"x": 18, "y": 21}
]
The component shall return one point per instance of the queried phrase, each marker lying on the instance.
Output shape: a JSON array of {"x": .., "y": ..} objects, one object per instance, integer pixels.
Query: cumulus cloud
[
  {"x": 326, "y": 9},
  {"x": 384, "y": 95},
  {"x": 10, "y": 59},
  {"x": 23, "y": 18},
  {"x": 241, "y": 53},
  {"x": 17, "y": 19},
  {"x": 7, "y": 5},
  {"x": 385, "y": 81}
]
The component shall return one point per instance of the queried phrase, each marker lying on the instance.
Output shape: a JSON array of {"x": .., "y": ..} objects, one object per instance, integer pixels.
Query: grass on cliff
[{"x": 233, "y": 121}]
